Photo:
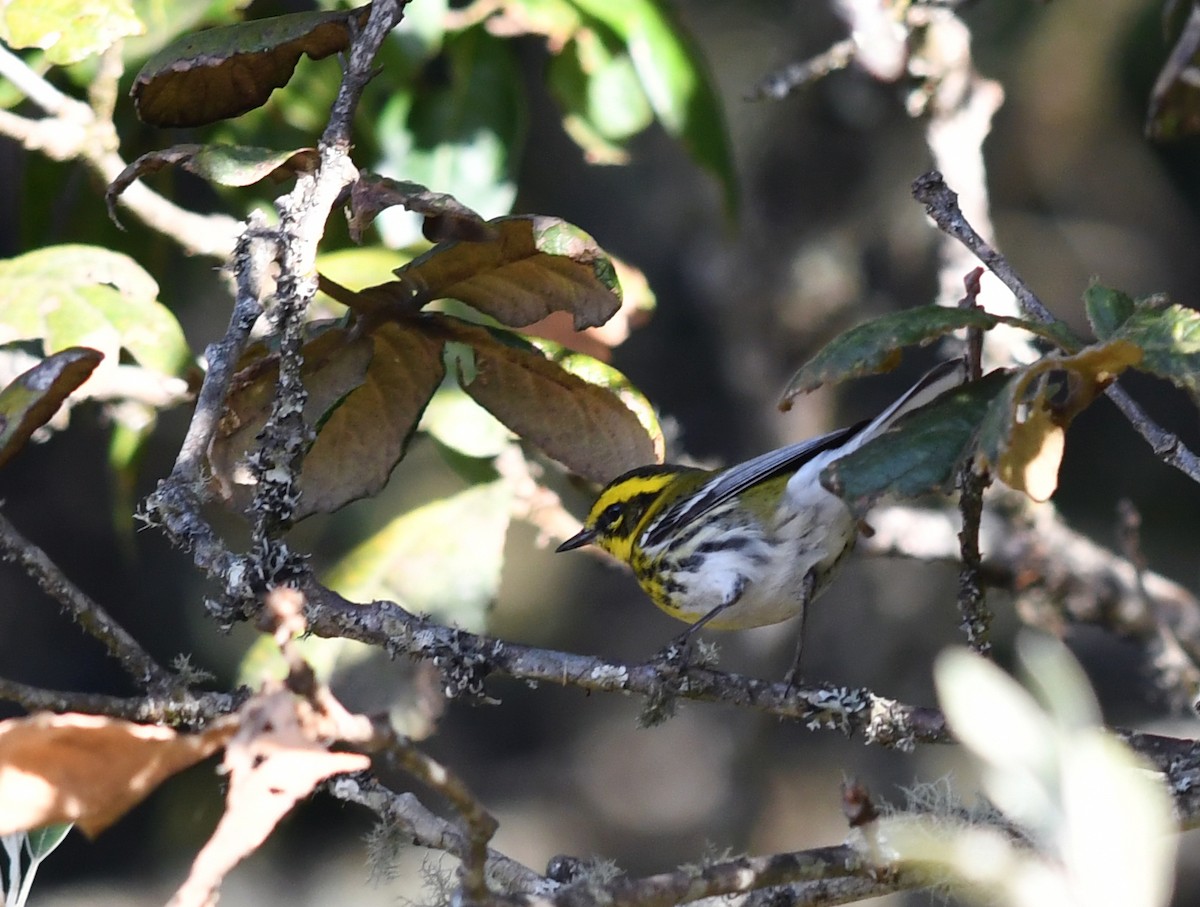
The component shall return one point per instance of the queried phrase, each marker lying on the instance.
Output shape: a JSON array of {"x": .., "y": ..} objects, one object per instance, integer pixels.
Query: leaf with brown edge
[
  {"x": 89, "y": 769},
  {"x": 446, "y": 217},
  {"x": 1022, "y": 437},
  {"x": 875, "y": 346},
  {"x": 225, "y": 165},
  {"x": 365, "y": 437},
  {"x": 535, "y": 265},
  {"x": 584, "y": 424},
  {"x": 225, "y": 71},
  {"x": 335, "y": 364},
  {"x": 34, "y": 396},
  {"x": 637, "y": 306}
]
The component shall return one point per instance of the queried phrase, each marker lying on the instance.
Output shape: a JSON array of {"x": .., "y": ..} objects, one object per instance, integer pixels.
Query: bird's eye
[{"x": 610, "y": 517}]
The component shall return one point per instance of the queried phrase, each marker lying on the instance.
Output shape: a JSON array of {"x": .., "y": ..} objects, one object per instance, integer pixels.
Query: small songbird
[{"x": 749, "y": 545}]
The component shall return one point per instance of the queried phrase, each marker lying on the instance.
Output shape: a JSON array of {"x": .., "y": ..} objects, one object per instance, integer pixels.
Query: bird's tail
[{"x": 935, "y": 382}]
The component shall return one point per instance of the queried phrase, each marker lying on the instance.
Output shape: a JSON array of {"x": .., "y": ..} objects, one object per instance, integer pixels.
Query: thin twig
[
  {"x": 941, "y": 204},
  {"x": 175, "y": 503},
  {"x": 95, "y": 621},
  {"x": 414, "y": 822},
  {"x": 37, "y": 89},
  {"x": 781, "y": 83},
  {"x": 972, "y": 482},
  {"x": 480, "y": 824}
]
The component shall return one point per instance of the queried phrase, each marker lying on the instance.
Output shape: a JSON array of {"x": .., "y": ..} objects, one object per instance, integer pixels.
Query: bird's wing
[{"x": 736, "y": 479}]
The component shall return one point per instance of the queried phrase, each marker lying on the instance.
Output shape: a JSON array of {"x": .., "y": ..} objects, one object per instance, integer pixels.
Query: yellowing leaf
[
  {"x": 1022, "y": 435},
  {"x": 1030, "y": 462},
  {"x": 68, "y": 30},
  {"x": 76, "y": 295}
]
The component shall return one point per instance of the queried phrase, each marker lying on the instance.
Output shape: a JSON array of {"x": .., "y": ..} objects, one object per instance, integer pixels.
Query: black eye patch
[{"x": 610, "y": 518}]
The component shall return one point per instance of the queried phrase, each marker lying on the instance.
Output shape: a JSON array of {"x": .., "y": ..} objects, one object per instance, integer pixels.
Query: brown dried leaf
[
  {"x": 334, "y": 364},
  {"x": 89, "y": 769},
  {"x": 222, "y": 72},
  {"x": 273, "y": 762},
  {"x": 535, "y": 265},
  {"x": 637, "y": 305},
  {"x": 365, "y": 437},
  {"x": 582, "y": 424}
]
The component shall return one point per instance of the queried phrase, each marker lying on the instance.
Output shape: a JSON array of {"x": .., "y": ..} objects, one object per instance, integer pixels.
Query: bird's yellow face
[{"x": 625, "y": 504}]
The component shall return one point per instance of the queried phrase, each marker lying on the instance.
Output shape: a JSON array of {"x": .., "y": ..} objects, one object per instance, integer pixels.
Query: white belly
[{"x": 764, "y": 575}]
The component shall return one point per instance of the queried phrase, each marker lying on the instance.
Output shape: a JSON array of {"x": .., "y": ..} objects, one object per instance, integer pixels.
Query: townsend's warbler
[{"x": 745, "y": 546}]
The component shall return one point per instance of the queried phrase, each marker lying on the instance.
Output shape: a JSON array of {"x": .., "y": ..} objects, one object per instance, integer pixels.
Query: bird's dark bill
[{"x": 585, "y": 537}]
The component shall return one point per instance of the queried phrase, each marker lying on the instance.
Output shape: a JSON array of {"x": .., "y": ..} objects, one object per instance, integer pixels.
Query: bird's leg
[
  {"x": 674, "y": 654},
  {"x": 794, "y": 677}
]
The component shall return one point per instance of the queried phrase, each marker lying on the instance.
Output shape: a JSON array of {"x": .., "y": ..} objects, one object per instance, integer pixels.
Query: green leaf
[
  {"x": 225, "y": 165},
  {"x": 603, "y": 104},
  {"x": 1107, "y": 309},
  {"x": 533, "y": 266},
  {"x": 76, "y": 295},
  {"x": 68, "y": 30},
  {"x": 918, "y": 455},
  {"x": 461, "y": 135},
  {"x": 33, "y": 398},
  {"x": 585, "y": 426},
  {"x": 1169, "y": 337},
  {"x": 875, "y": 346},
  {"x": 44, "y": 841},
  {"x": 442, "y": 559},
  {"x": 675, "y": 81},
  {"x": 225, "y": 71}
]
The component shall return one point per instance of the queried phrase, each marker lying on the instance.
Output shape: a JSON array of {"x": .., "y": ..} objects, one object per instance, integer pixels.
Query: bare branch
[
  {"x": 972, "y": 483},
  {"x": 781, "y": 83},
  {"x": 416, "y": 823},
  {"x": 175, "y": 504}
]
